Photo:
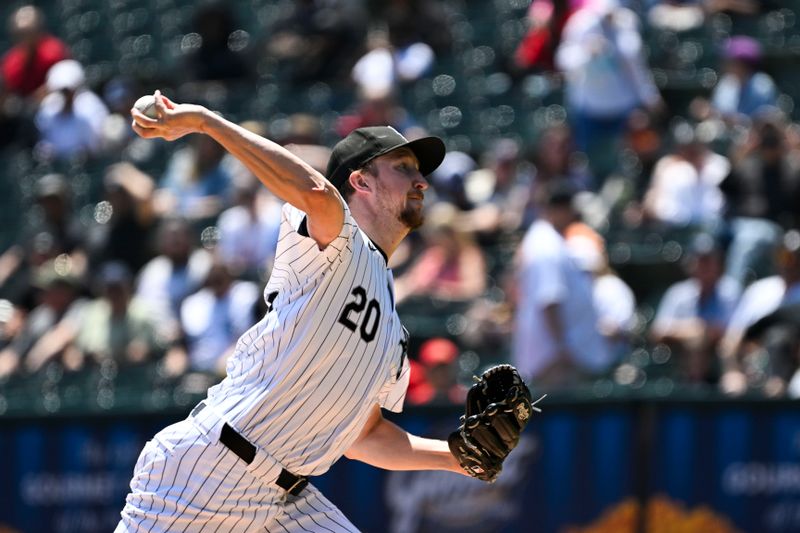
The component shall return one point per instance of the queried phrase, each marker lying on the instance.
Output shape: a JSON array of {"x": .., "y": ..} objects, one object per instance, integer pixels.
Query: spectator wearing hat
[
  {"x": 694, "y": 313},
  {"x": 741, "y": 364},
  {"x": 117, "y": 325},
  {"x": 437, "y": 384},
  {"x": 25, "y": 65},
  {"x": 60, "y": 305},
  {"x": 743, "y": 89},
  {"x": 556, "y": 339},
  {"x": 54, "y": 199},
  {"x": 70, "y": 118}
]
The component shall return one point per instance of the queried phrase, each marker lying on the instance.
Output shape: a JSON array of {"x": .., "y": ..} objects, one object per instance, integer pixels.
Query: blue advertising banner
[
  {"x": 68, "y": 475},
  {"x": 726, "y": 466},
  {"x": 742, "y": 462}
]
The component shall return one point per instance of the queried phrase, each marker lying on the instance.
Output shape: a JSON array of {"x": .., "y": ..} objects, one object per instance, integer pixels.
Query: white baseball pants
[{"x": 187, "y": 481}]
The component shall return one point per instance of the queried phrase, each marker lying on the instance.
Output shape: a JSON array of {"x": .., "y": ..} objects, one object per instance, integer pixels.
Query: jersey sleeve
[
  {"x": 393, "y": 393},
  {"x": 299, "y": 256}
]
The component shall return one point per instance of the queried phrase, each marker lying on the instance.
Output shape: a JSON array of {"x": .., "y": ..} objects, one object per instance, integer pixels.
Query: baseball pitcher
[{"x": 307, "y": 383}]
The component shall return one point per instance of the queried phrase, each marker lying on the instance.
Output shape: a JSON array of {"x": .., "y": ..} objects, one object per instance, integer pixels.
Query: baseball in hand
[{"x": 146, "y": 105}]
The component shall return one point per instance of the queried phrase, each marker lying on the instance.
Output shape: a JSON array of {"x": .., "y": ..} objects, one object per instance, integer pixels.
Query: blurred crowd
[{"x": 535, "y": 250}]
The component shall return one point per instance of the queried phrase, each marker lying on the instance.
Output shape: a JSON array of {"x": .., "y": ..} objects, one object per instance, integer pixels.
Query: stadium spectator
[
  {"x": 17, "y": 265},
  {"x": 54, "y": 200},
  {"x": 297, "y": 128},
  {"x": 375, "y": 110},
  {"x": 125, "y": 219},
  {"x": 438, "y": 384},
  {"x": 218, "y": 57},
  {"x": 687, "y": 15},
  {"x": 116, "y": 325},
  {"x": 606, "y": 76},
  {"x": 741, "y": 363},
  {"x": 693, "y": 314},
  {"x": 765, "y": 178},
  {"x": 111, "y": 326},
  {"x": 645, "y": 141},
  {"x": 743, "y": 89},
  {"x": 375, "y": 73},
  {"x": 70, "y": 118},
  {"x": 416, "y": 31},
  {"x": 555, "y": 160},
  {"x": 498, "y": 190},
  {"x": 51, "y": 230},
  {"x": 317, "y": 40},
  {"x": 410, "y": 22},
  {"x": 214, "y": 317},
  {"x": 450, "y": 266},
  {"x": 614, "y": 302},
  {"x": 248, "y": 231},
  {"x": 58, "y": 301},
  {"x": 546, "y": 20},
  {"x": 776, "y": 340},
  {"x": 676, "y": 15},
  {"x": 556, "y": 341},
  {"x": 167, "y": 279},
  {"x": 449, "y": 181},
  {"x": 196, "y": 185},
  {"x": 404, "y": 48},
  {"x": 301, "y": 134},
  {"x": 685, "y": 186},
  {"x": 119, "y": 94},
  {"x": 763, "y": 195},
  {"x": 25, "y": 65}
]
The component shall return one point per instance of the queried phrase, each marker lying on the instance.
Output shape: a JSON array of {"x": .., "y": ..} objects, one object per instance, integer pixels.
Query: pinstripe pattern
[{"x": 301, "y": 383}]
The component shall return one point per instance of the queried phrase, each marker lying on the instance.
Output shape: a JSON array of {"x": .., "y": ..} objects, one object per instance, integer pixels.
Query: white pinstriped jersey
[{"x": 302, "y": 381}]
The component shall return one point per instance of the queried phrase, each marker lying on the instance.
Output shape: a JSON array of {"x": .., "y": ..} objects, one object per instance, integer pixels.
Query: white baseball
[{"x": 146, "y": 105}]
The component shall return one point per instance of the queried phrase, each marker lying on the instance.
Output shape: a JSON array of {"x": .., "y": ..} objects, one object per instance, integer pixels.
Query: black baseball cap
[{"x": 365, "y": 144}]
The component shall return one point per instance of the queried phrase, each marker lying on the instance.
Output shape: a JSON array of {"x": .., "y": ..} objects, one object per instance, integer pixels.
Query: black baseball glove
[{"x": 498, "y": 409}]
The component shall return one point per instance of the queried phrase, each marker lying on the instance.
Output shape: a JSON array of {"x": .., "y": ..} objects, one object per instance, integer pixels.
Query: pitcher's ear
[{"x": 358, "y": 181}]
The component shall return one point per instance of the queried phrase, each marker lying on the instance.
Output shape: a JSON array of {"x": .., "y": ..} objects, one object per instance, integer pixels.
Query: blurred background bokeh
[{"x": 618, "y": 215}]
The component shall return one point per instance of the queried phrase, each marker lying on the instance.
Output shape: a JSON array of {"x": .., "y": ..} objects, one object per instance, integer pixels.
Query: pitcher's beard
[{"x": 412, "y": 218}]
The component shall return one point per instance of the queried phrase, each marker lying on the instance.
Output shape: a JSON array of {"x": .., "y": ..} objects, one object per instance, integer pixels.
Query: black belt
[{"x": 246, "y": 450}]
